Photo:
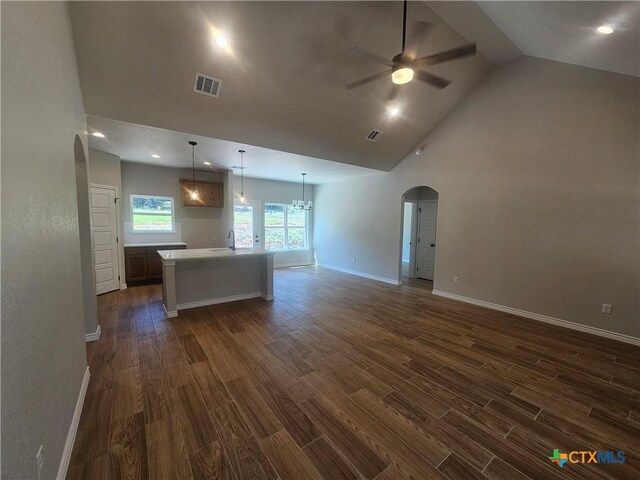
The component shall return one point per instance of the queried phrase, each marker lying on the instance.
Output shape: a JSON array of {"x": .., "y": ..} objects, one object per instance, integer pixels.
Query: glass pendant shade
[{"x": 194, "y": 191}]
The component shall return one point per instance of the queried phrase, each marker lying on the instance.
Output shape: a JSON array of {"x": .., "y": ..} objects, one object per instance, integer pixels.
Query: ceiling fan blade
[
  {"x": 432, "y": 80},
  {"x": 419, "y": 32},
  {"x": 446, "y": 56},
  {"x": 368, "y": 79}
]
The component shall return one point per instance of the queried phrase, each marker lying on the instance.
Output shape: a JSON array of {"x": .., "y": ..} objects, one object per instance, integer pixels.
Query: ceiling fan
[{"x": 404, "y": 67}]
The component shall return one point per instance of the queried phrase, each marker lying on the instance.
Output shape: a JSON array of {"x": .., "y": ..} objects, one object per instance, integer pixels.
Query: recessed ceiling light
[
  {"x": 605, "y": 29},
  {"x": 222, "y": 41},
  {"x": 393, "y": 111},
  {"x": 155, "y": 156},
  {"x": 98, "y": 134},
  {"x": 207, "y": 163}
]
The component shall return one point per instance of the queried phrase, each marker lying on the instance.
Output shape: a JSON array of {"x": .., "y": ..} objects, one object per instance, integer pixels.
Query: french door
[{"x": 247, "y": 224}]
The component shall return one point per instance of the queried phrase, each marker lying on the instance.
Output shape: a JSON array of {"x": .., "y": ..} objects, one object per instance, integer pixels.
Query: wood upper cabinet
[
  {"x": 143, "y": 265},
  {"x": 210, "y": 194}
]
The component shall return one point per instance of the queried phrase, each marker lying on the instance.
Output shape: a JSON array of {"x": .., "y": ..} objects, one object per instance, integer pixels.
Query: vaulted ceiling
[
  {"x": 283, "y": 77},
  {"x": 566, "y": 32}
]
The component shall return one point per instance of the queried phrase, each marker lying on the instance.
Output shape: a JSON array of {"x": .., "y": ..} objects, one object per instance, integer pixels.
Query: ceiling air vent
[
  {"x": 374, "y": 135},
  {"x": 207, "y": 85}
]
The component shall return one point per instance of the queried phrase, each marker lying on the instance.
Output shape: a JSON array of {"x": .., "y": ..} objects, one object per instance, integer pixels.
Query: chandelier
[{"x": 300, "y": 204}]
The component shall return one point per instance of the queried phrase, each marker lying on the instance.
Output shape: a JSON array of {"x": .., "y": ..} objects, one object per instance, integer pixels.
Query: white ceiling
[
  {"x": 136, "y": 143},
  {"x": 282, "y": 80},
  {"x": 470, "y": 21},
  {"x": 565, "y": 32}
]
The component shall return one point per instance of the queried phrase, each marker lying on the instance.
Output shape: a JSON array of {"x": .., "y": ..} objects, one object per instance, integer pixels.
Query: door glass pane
[
  {"x": 243, "y": 226},
  {"x": 296, "y": 237},
  {"x": 273, "y": 215},
  {"x": 296, "y": 217},
  {"x": 274, "y": 238}
]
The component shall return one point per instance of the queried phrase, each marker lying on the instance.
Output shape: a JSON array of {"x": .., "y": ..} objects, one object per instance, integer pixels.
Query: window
[
  {"x": 151, "y": 214},
  {"x": 285, "y": 227}
]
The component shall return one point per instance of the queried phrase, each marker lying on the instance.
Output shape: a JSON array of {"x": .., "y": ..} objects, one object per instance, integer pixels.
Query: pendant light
[
  {"x": 242, "y": 197},
  {"x": 299, "y": 204},
  {"x": 194, "y": 191}
]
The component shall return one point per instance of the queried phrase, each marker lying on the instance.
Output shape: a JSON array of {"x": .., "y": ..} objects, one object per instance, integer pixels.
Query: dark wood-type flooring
[
  {"x": 343, "y": 377},
  {"x": 413, "y": 281}
]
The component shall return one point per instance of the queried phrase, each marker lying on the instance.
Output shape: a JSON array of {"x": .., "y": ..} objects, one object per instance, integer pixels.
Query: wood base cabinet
[{"x": 143, "y": 265}]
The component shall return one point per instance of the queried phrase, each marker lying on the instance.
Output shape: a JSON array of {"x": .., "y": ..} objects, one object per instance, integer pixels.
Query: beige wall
[
  {"x": 538, "y": 179},
  {"x": 86, "y": 246},
  {"x": 105, "y": 168},
  {"x": 272, "y": 191},
  {"x": 200, "y": 227},
  {"x": 43, "y": 348}
]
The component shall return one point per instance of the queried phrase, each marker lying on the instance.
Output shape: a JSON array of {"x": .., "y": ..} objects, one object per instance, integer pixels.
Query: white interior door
[
  {"x": 247, "y": 224},
  {"x": 426, "y": 248},
  {"x": 104, "y": 235}
]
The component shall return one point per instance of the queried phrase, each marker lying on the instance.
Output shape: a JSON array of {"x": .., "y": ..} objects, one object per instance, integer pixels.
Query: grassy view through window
[
  {"x": 284, "y": 227},
  {"x": 243, "y": 226},
  {"x": 151, "y": 214}
]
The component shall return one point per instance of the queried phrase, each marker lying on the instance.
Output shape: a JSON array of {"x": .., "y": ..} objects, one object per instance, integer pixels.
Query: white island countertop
[
  {"x": 155, "y": 244},
  {"x": 193, "y": 254}
]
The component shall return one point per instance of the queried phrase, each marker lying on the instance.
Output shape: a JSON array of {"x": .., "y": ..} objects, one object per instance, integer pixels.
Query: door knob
[{"x": 433, "y": 244}]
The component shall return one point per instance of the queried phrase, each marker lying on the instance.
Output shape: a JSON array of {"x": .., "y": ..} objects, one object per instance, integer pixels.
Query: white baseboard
[
  {"x": 92, "y": 337},
  {"x": 123, "y": 286},
  {"x": 268, "y": 298},
  {"x": 214, "y": 301},
  {"x": 542, "y": 318},
  {"x": 360, "y": 274},
  {"x": 73, "y": 428},
  {"x": 170, "y": 314},
  {"x": 292, "y": 264}
]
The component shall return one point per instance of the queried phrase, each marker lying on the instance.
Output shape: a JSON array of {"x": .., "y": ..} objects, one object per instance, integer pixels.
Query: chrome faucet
[{"x": 233, "y": 242}]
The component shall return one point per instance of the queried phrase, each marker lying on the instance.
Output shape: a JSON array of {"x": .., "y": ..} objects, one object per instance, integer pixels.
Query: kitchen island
[{"x": 206, "y": 276}]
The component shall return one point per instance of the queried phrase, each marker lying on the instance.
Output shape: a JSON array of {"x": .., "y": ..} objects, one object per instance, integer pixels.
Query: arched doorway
[
  {"x": 419, "y": 225},
  {"x": 86, "y": 251}
]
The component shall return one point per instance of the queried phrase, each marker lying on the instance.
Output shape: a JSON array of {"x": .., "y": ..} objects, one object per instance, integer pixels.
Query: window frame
[
  {"x": 162, "y": 197},
  {"x": 286, "y": 228}
]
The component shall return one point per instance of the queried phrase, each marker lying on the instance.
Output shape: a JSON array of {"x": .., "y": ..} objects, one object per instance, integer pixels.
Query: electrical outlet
[
  {"x": 353, "y": 260},
  {"x": 456, "y": 279},
  {"x": 40, "y": 462},
  {"x": 606, "y": 308}
]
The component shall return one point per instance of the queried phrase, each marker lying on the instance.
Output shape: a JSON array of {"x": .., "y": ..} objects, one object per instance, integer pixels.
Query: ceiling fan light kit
[
  {"x": 404, "y": 67},
  {"x": 402, "y": 75}
]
